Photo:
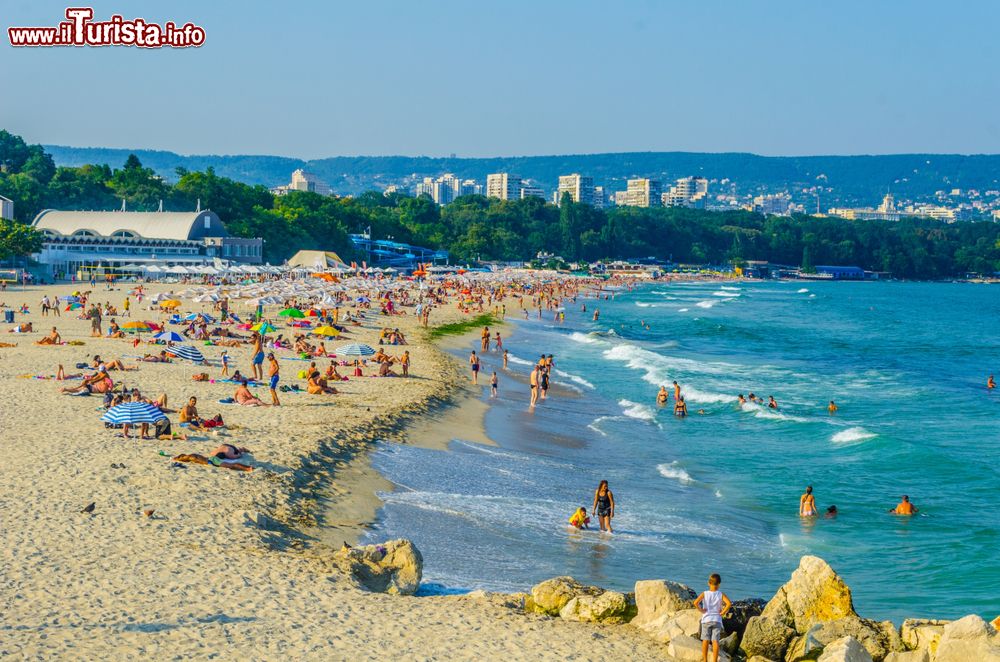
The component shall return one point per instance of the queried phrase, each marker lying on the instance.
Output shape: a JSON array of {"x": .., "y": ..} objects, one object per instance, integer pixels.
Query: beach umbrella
[
  {"x": 74, "y": 306},
  {"x": 170, "y": 303},
  {"x": 132, "y": 413},
  {"x": 291, "y": 312},
  {"x": 70, "y": 298},
  {"x": 186, "y": 352},
  {"x": 328, "y": 331},
  {"x": 355, "y": 350},
  {"x": 262, "y": 327},
  {"x": 169, "y": 336},
  {"x": 136, "y": 327},
  {"x": 363, "y": 300}
]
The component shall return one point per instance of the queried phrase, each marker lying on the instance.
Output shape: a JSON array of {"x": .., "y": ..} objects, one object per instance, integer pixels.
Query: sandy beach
[{"x": 230, "y": 565}]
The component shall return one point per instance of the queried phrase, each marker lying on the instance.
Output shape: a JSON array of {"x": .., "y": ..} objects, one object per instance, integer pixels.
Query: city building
[
  {"x": 399, "y": 189},
  {"x": 528, "y": 190},
  {"x": 687, "y": 192},
  {"x": 76, "y": 241},
  {"x": 447, "y": 187},
  {"x": 6, "y": 208},
  {"x": 773, "y": 204},
  {"x": 886, "y": 211},
  {"x": 600, "y": 198},
  {"x": 504, "y": 186},
  {"x": 304, "y": 181},
  {"x": 579, "y": 187},
  {"x": 641, "y": 193}
]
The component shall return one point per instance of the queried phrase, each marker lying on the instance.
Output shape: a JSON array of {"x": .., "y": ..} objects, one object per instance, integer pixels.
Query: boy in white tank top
[{"x": 713, "y": 605}]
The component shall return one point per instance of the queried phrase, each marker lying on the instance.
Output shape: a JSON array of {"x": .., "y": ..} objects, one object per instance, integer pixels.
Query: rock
[
  {"x": 920, "y": 633},
  {"x": 845, "y": 649},
  {"x": 814, "y": 594},
  {"x": 655, "y": 597},
  {"x": 688, "y": 649},
  {"x": 996, "y": 623},
  {"x": 730, "y": 643},
  {"x": 870, "y": 634},
  {"x": 805, "y": 647},
  {"x": 394, "y": 567},
  {"x": 550, "y": 596},
  {"x": 666, "y": 627},
  {"x": 505, "y": 600},
  {"x": 740, "y": 612},
  {"x": 608, "y": 607},
  {"x": 909, "y": 656},
  {"x": 766, "y": 637},
  {"x": 969, "y": 638},
  {"x": 759, "y": 658}
]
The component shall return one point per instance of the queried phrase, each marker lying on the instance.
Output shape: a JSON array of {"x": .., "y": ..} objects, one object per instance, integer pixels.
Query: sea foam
[
  {"x": 852, "y": 435},
  {"x": 672, "y": 470}
]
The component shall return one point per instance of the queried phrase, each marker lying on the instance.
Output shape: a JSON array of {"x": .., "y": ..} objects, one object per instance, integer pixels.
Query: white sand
[{"x": 201, "y": 579}]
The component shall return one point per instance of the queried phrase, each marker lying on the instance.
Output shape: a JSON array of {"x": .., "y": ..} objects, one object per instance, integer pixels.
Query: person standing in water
[
  {"x": 904, "y": 507},
  {"x": 680, "y": 407},
  {"x": 505, "y": 359},
  {"x": 597, "y": 314},
  {"x": 474, "y": 363},
  {"x": 832, "y": 408},
  {"x": 807, "y": 504},
  {"x": 662, "y": 397},
  {"x": 990, "y": 384},
  {"x": 677, "y": 390},
  {"x": 533, "y": 384},
  {"x": 604, "y": 506},
  {"x": 493, "y": 385}
]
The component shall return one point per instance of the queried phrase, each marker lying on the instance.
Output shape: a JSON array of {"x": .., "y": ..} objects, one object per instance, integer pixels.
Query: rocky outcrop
[
  {"x": 969, "y": 638},
  {"x": 608, "y": 607},
  {"x": 909, "y": 656},
  {"x": 656, "y": 597},
  {"x": 688, "y": 649},
  {"x": 922, "y": 633},
  {"x": 550, "y": 596},
  {"x": 394, "y": 567},
  {"x": 814, "y": 594},
  {"x": 670, "y": 625},
  {"x": 766, "y": 637},
  {"x": 740, "y": 613},
  {"x": 845, "y": 649},
  {"x": 878, "y": 640}
]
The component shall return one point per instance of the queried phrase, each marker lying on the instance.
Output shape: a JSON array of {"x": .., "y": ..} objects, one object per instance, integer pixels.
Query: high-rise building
[
  {"x": 579, "y": 187},
  {"x": 503, "y": 185},
  {"x": 600, "y": 200},
  {"x": 641, "y": 193},
  {"x": 687, "y": 192},
  {"x": 776, "y": 204},
  {"x": 304, "y": 181}
]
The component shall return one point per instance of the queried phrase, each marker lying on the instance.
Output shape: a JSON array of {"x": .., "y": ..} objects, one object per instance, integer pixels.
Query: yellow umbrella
[
  {"x": 326, "y": 331},
  {"x": 170, "y": 303}
]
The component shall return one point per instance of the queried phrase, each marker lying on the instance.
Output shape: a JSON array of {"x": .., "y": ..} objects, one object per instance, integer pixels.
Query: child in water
[{"x": 579, "y": 519}]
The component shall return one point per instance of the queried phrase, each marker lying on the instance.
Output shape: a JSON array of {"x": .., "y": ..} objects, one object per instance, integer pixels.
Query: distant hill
[{"x": 855, "y": 180}]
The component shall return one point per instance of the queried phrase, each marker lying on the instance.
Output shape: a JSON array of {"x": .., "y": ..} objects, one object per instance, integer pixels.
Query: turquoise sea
[{"x": 906, "y": 363}]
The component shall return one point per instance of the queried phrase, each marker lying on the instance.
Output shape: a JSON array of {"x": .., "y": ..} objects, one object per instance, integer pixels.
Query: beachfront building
[
  {"x": 579, "y": 187},
  {"x": 120, "y": 241},
  {"x": 304, "y": 181},
  {"x": 6, "y": 208},
  {"x": 641, "y": 193},
  {"x": 687, "y": 192},
  {"x": 503, "y": 185}
]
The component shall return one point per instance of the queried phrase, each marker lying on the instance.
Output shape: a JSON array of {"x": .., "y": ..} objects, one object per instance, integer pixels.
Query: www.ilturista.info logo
[{"x": 80, "y": 30}]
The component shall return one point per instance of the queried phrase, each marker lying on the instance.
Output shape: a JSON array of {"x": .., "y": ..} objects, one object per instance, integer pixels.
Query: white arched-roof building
[{"x": 79, "y": 241}]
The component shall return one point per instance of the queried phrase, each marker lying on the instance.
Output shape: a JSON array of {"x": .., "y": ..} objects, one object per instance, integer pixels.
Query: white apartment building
[
  {"x": 503, "y": 185},
  {"x": 641, "y": 193},
  {"x": 687, "y": 192},
  {"x": 304, "y": 181},
  {"x": 579, "y": 187},
  {"x": 772, "y": 204},
  {"x": 528, "y": 190},
  {"x": 6, "y": 208}
]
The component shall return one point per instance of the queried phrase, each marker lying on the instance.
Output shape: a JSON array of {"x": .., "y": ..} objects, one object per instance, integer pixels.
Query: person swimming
[
  {"x": 990, "y": 384},
  {"x": 832, "y": 407},
  {"x": 740, "y": 400},
  {"x": 904, "y": 507},
  {"x": 807, "y": 503},
  {"x": 831, "y": 512},
  {"x": 771, "y": 402}
]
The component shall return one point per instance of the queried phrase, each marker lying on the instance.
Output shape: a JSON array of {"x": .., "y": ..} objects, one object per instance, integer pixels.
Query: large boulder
[
  {"x": 656, "y": 597},
  {"x": 921, "y": 655},
  {"x": 740, "y": 613},
  {"x": 550, "y": 596},
  {"x": 877, "y": 639},
  {"x": 969, "y": 638},
  {"x": 394, "y": 567},
  {"x": 766, "y": 637},
  {"x": 845, "y": 649},
  {"x": 688, "y": 649},
  {"x": 667, "y": 626},
  {"x": 922, "y": 633},
  {"x": 608, "y": 607},
  {"x": 805, "y": 647},
  {"x": 814, "y": 594}
]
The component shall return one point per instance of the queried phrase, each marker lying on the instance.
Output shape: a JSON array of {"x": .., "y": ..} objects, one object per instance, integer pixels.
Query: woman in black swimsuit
[{"x": 604, "y": 506}]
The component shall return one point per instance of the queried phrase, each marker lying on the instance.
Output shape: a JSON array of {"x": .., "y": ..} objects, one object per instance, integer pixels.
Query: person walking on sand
[
  {"x": 493, "y": 385},
  {"x": 604, "y": 506},
  {"x": 225, "y": 363},
  {"x": 807, "y": 503},
  {"x": 713, "y": 605},
  {"x": 95, "y": 321},
  {"x": 257, "y": 357},
  {"x": 273, "y": 372},
  {"x": 404, "y": 363},
  {"x": 474, "y": 363}
]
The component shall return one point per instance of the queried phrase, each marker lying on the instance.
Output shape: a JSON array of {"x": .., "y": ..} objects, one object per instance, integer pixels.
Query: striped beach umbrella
[
  {"x": 186, "y": 352},
  {"x": 169, "y": 336},
  {"x": 355, "y": 350},
  {"x": 136, "y": 327},
  {"x": 132, "y": 413}
]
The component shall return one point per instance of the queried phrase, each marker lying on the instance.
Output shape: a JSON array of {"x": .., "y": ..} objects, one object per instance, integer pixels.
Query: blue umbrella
[
  {"x": 186, "y": 352},
  {"x": 132, "y": 413},
  {"x": 355, "y": 350},
  {"x": 69, "y": 297},
  {"x": 169, "y": 336}
]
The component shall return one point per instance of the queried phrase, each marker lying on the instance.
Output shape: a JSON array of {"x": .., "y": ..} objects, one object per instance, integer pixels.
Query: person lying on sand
[
  {"x": 113, "y": 364},
  {"x": 99, "y": 382},
  {"x": 8, "y": 344},
  {"x": 156, "y": 358},
  {"x": 244, "y": 397},
  {"x": 52, "y": 339},
  {"x": 215, "y": 461}
]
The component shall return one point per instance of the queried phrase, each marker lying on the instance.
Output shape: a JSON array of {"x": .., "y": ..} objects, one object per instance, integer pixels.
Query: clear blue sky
[{"x": 318, "y": 78}]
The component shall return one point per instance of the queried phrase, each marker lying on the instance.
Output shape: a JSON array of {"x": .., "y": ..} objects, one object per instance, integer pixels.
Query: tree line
[{"x": 475, "y": 228}]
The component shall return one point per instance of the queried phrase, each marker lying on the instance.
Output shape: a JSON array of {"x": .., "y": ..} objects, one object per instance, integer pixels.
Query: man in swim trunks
[
  {"x": 272, "y": 370},
  {"x": 474, "y": 363},
  {"x": 677, "y": 391},
  {"x": 807, "y": 504},
  {"x": 533, "y": 385},
  {"x": 904, "y": 507}
]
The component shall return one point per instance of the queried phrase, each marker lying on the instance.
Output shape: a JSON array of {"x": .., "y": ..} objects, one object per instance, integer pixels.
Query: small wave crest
[
  {"x": 802, "y": 290},
  {"x": 574, "y": 378},
  {"x": 637, "y": 411},
  {"x": 674, "y": 471},
  {"x": 705, "y": 304},
  {"x": 852, "y": 435},
  {"x": 725, "y": 293}
]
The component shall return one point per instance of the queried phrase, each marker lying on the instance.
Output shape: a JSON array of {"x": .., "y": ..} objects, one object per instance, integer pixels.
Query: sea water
[{"x": 906, "y": 364}]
